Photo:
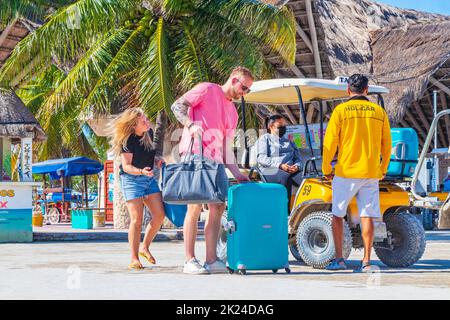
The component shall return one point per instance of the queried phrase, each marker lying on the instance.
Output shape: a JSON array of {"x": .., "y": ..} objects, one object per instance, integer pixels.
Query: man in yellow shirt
[{"x": 359, "y": 130}]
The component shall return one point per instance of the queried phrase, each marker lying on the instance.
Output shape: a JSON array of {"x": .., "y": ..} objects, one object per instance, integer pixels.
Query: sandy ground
[{"x": 97, "y": 270}]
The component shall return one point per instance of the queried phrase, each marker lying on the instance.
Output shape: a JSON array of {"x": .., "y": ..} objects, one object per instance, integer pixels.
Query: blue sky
[{"x": 435, "y": 6}]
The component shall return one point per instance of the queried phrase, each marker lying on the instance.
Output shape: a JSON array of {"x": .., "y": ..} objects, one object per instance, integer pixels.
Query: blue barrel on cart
[{"x": 405, "y": 153}]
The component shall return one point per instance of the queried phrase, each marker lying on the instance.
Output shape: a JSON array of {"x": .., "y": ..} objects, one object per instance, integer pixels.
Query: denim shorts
[{"x": 137, "y": 186}]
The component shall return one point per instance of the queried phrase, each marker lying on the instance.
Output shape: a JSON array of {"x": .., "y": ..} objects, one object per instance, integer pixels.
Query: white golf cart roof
[{"x": 283, "y": 92}]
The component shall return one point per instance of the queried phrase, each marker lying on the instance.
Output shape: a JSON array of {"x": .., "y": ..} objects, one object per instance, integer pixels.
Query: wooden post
[
  {"x": 27, "y": 159},
  {"x": 63, "y": 187},
  {"x": 315, "y": 43},
  {"x": 85, "y": 190},
  {"x": 44, "y": 194}
]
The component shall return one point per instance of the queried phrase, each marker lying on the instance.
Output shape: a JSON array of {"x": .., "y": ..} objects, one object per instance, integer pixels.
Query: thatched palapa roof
[
  {"x": 405, "y": 50},
  {"x": 334, "y": 39},
  {"x": 16, "y": 121},
  {"x": 404, "y": 60},
  {"x": 348, "y": 26},
  {"x": 13, "y": 33}
]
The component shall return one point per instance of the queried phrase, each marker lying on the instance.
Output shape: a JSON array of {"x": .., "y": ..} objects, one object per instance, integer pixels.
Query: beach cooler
[
  {"x": 82, "y": 219},
  {"x": 257, "y": 227},
  {"x": 405, "y": 152}
]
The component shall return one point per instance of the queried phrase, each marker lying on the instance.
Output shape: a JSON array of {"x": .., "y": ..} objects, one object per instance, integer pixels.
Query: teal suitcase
[
  {"x": 405, "y": 152},
  {"x": 257, "y": 227}
]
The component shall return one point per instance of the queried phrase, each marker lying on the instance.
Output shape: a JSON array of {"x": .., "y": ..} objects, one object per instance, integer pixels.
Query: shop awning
[{"x": 67, "y": 167}]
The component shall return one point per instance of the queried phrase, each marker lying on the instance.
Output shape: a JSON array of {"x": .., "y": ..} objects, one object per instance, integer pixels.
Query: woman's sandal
[
  {"x": 136, "y": 265},
  {"x": 148, "y": 257}
]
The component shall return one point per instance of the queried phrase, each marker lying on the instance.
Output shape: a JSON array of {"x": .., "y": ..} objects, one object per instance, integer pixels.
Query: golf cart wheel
[
  {"x": 315, "y": 239},
  {"x": 294, "y": 251},
  {"x": 408, "y": 240},
  {"x": 221, "y": 250},
  {"x": 53, "y": 216}
]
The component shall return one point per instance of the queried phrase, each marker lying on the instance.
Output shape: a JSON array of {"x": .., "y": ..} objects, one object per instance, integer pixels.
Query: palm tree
[
  {"x": 33, "y": 10},
  {"x": 120, "y": 53},
  {"x": 62, "y": 129}
]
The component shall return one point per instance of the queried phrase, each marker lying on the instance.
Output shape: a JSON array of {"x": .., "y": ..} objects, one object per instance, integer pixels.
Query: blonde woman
[{"x": 133, "y": 141}]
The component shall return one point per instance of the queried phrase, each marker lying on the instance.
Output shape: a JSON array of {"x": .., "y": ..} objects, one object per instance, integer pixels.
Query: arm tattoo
[{"x": 180, "y": 110}]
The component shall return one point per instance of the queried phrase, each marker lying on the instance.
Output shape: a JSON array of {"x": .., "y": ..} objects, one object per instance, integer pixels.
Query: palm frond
[
  {"x": 189, "y": 64},
  {"x": 67, "y": 33},
  {"x": 274, "y": 26},
  {"x": 88, "y": 69},
  {"x": 99, "y": 144},
  {"x": 225, "y": 45},
  {"x": 155, "y": 80},
  {"x": 13, "y": 9},
  {"x": 65, "y": 135},
  {"x": 107, "y": 87}
]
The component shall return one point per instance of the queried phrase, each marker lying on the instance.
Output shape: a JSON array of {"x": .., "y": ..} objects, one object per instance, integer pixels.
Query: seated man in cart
[{"x": 278, "y": 158}]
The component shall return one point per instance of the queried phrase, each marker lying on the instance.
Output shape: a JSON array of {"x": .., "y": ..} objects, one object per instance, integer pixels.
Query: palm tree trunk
[
  {"x": 121, "y": 216},
  {"x": 160, "y": 129}
]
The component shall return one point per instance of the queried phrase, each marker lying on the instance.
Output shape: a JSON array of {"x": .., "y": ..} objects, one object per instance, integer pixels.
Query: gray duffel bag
[{"x": 194, "y": 180}]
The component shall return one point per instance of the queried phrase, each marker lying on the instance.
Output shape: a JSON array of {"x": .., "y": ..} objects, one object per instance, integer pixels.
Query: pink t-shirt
[{"x": 216, "y": 114}]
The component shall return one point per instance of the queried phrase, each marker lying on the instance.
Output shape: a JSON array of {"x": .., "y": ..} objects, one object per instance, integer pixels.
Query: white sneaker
[
  {"x": 216, "y": 267},
  {"x": 194, "y": 267}
]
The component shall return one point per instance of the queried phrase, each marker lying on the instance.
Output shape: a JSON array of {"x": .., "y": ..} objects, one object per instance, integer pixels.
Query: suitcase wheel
[
  {"x": 287, "y": 270},
  {"x": 242, "y": 272},
  {"x": 230, "y": 271},
  {"x": 274, "y": 270}
]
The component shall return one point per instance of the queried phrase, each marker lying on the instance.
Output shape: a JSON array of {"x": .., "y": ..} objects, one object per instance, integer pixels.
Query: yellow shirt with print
[{"x": 359, "y": 131}]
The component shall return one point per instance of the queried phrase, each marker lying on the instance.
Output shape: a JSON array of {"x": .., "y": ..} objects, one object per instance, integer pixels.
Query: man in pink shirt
[{"x": 208, "y": 110}]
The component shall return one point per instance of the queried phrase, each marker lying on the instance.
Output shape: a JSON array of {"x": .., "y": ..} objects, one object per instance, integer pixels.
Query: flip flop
[
  {"x": 148, "y": 257},
  {"x": 337, "y": 264},
  {"x": 136, "y": 265},
  {"x": 365, "y": 268}
]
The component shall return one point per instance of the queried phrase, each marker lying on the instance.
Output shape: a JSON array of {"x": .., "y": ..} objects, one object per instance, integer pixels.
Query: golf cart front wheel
[{"x": 315, "y": 239}]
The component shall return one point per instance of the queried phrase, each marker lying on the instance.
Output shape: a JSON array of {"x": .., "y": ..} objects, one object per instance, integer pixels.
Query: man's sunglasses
[{"x": 244, "y": 88}]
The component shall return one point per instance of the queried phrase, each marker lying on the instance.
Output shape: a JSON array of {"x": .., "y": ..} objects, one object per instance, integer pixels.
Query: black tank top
[{"x": 141, "y": 157}]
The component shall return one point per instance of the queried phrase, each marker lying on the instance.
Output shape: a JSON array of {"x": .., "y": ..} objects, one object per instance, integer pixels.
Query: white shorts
[{"x": 367, "y": 196}]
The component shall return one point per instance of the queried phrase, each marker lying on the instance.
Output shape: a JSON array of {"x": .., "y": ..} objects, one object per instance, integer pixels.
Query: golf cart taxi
[{"x": 399, "y": 236}]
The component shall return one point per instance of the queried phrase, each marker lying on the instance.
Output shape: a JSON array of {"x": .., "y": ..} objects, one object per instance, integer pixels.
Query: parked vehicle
[{"x": 399, "y": 236}]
